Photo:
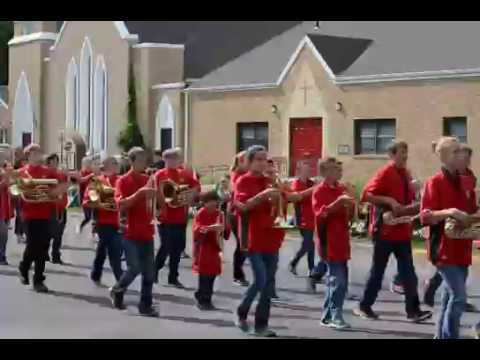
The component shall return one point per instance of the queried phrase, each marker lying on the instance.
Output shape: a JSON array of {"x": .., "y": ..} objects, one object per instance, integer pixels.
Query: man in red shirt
[
  {"x": 390, "y": 190},
  {"x": 6, "y": 210},
  {"x": 238, "y": 168},
  {"x": 133, "y": 193},
  {"x": 107, "y": 227},
  {"x": 173, "y": 220},
  {"x": 253, "y": 199},
  {"x": 446, "y": 197},
  {"x": 332, "y": 208},
  {"x": 59, "y": 214},
  {"x": 37, "y": 219}
]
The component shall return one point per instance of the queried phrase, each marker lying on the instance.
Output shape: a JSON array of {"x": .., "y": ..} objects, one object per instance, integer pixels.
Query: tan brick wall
[{"x": 418, "y": 107}]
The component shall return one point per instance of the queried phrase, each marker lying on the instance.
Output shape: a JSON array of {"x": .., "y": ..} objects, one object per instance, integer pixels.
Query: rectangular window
[
  {"x": 250, "y": 134},
  {"x": 373, "y": 136},
  {"x": 455, "y": 126},
  {"x": 166, "y": 139},
  {"x": 3, "y": 136},
  {"x": 26, "y": 139}
]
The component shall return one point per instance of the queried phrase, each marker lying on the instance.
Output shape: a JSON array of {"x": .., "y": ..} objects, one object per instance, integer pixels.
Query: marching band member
[
  {"x": 208, "y": 227},
  {"x": 132, "y": 193},
  {"x": 238, "y": 168},
  {"x": 390, "y": 190},
  {"x": 37, "y": 220},
  {"x": 59, "y": 215},
  {"x": 107, "y": 227},
  {"x": 253, "y": 196},
  {"x": 6, "y": 209},
  {"x": 332, "y": 208},
  {"x": 19, "y": 163},
  {"x": 446, "y": 197},
  {"x": 173, "y": 220}
]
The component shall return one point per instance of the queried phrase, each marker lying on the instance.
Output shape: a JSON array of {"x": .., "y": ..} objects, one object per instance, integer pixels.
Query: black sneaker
[
  {"x": 176, "y": 284},
  {"x": 148, "y": 311},
  {"x": 365, "y": 313},
  {"x": 420, "y": 316},
  {"x": 40, "y": 288},
  {"x": 24, "y": 279},
  {"x": 264, "y": 332},
  {"x": 117, "y": 299},
  {"x": 57, "y": 261},
  {"x": 205, "y": 306},
  {"x": 470, "y": 308},
  {"x": 47, "y": 259},
  {"x": 311, "y": 285},
  {"x": 241, "y": 282},
  {"x": 293, "y": 269}
]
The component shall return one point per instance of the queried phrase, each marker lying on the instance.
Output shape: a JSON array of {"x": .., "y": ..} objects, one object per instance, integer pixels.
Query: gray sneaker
[
  {"x": 325, "y": 322},
  {"x": 339, "y": 324},
  {"x": 265, "y": 332},
  {"x": 242, "y": 324}
]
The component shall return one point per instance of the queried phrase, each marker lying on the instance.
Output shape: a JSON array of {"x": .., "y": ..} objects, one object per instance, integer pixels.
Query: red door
[{"x": 305, "y": 143}]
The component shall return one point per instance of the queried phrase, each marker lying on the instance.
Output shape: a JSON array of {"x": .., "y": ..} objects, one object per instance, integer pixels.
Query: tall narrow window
[
  {"x": 99, "y": 134},
  {"x": 71, "y": 96},
  {"x": 85, "y": 110},
  {"x": 165, "y": 125},
  {"x": 22, "y": 116}
]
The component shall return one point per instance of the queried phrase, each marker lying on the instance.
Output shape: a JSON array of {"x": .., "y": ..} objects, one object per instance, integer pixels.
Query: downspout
[{"x": 187, "y": 127}]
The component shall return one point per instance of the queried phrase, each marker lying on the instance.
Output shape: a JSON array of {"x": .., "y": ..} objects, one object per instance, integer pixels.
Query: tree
[
  {"x": 131, "y": 136},
  {"x": 6, "y": 33}
]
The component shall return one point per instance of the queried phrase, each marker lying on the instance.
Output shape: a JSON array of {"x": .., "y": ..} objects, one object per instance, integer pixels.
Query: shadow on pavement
[
  {"x": 78, "y": 248},
  {"x": 392, "y": 333}
]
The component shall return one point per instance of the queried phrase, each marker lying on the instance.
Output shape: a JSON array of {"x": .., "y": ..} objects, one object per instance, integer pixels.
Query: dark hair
[
  {"x": 396, "y": 145},
  {"x": 210, "y": 196},
  {"x": 254, "y": 150},
  {"x": 323, "y": 163},
  {"x": 52, "y": 157}
]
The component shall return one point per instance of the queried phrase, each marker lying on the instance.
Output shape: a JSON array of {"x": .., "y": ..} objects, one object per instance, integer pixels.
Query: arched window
[
  {"x": 100, "y": 107},
  {"x": 22, "y": 116},
  {"x": 71, "y": 96},
  {"x": 85, "y": 110},
  {"x": 165, "y": 125}
]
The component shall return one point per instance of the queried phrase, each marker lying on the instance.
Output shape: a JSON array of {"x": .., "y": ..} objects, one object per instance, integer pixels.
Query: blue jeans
[
  {"x": 139, "y": 260},
  {"x": 382, "y": 249},
  {"x": 264, "y": 267},
  {"x": 319, "y": 271},
  {"x": 308, "y": 247},
  {"x": 173, "y": 240},
  {"x": 454, "y": 298},
  {"x": 111, "y": 244},
  {"x": 337, "y": 286}
]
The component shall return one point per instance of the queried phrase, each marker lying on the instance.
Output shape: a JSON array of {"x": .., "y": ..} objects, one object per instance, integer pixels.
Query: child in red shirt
[
  {"x": 133, "y": 193},
  {"x": 107, "y": 227},
  {"x": 37, "y": 219},
  {"x": 332, "y": 215},
  {"x": 6, "y": 210},
  {"x": 86, "y": 174},
  {"x": 208, "y": 229},
  {"x": 253, "y": 200}
]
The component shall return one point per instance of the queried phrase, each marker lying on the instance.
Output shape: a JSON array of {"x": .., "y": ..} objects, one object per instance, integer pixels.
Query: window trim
[
  {"x": 358, "y": 137},
  {"x": 254, "y": 124}
]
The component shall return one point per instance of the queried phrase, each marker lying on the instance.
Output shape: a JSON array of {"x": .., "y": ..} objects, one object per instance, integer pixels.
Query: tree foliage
[
  {"x": 6, "y": 33},
  {"x": 131, "y": 136}
]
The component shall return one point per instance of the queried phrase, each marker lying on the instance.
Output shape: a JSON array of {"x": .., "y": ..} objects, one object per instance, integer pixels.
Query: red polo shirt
[
  {"x": 395, "y": 183},
  {"x": 62, "y": 204},
  {"x": 333, "y": 240},
  {"x": 258, "y": 222},
  {"x": 206, "y": 252},
  {"x": 234, "y": 176},
  {"x": 37, "y": 211},
  {"x": 169, "y": 215},
  {"x": 105, "y": 217},
  {"x": 304, "y": 209},
  {"x": 139, "y": 226},
  {"x": 444, "y": 191}
]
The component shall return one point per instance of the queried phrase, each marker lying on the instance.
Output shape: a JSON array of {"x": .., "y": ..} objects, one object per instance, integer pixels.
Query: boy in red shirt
[
  {"x": 173, "y": 220},
  {"x": 208, "y": 226},
  {"x": 107, "y": 227},
  {"x": 332, "y": 209},
  {"x": 133, "y": 192},
  {"x": 238, "y": 168},
  {"x": 86, "y": 174},
  {"x": 253, "y": 200},
  {"x": 390, "y": 190},
  {"x": 19, "y": 163},
  {"x": 6, "y": 209},
  {"x": 37, "y": 219},
  {"x": 446, "y": 197},
  {"x": 59, "y": 214}
]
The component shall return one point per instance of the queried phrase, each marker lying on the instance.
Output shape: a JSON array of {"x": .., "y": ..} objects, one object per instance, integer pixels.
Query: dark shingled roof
[{"x": 209, "y": 44}]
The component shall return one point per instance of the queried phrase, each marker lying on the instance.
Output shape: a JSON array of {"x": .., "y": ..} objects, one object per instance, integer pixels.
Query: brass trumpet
[
  {"x": 175, "y": 195},
  {"x": 278, "y": 208},
  {"x": 33, "y": 190},
  {"x": 454, "y": 230},
  {"x": 101, "y": 195}
]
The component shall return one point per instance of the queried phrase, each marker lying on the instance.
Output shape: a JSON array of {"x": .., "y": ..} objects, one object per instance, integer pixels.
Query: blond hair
[{"x": 443, "y": 143}]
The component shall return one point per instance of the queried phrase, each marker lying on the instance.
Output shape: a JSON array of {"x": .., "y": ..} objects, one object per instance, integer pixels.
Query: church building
[{"x": 305, "y": 90}]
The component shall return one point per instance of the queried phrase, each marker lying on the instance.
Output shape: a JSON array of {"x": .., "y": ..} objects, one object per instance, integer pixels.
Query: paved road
[{"x": 78, "y": 309}]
